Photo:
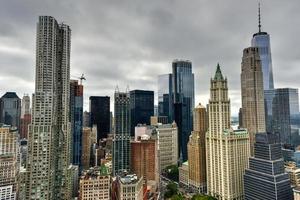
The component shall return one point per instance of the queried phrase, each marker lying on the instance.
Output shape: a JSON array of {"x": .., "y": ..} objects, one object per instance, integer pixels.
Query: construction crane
[{"x": 81, "y": 78}]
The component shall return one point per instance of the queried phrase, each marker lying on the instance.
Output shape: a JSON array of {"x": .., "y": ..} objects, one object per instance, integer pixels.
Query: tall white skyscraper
[
  {"x": 49, "y": 133},
  {"x": 227, "y": 150}
]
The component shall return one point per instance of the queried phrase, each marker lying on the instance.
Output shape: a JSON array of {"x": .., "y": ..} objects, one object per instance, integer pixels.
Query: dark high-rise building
[
  {"x": 141, "y": 107},
  {"x": 86, "y": 119},
  {"x": 183, "y": 102},
  {"x": 76, "y": 117},
  {"x": 285, "y": 110},
  {"x": 265, "y": 178},
  {"x": 100, "y": 115},
  {"x": 10, "y": 109},
  {"x": 121, "y": 137},
  {"x": 165, "y": 102}
]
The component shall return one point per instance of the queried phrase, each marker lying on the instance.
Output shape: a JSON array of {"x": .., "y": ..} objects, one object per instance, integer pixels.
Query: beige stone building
[
  {"x": 167, "y": 137},
  {"x": 196, "y": 150},
  {"x": 227, "y": 150},
  {"x": 296, "y": 193},
  {"x": 9, "y": 162},
  {"x": 130, "y": 187},
  {"x": 184, "y": 174},
  {"x": 294, "y": 173},
  {"x": 253, "y": 110},
  {"x": 94, "y": 184}
]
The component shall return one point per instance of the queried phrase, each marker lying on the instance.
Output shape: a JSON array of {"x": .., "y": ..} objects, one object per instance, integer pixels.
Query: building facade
[
  {"x": 94, "y": 184},
  {"x": 227, "y": 150},
  {"x": 184, "y": 175},
  {"x": 265, "y": 178},
  {"x": 167, "y": 136},
  {"x": 89, "y": 136},
  {"x": 165, "y": 97},
  {"x": 49, "y": 135},
  {"x": 196, "y": 150},
  {"x": 141, "y": 107},
  {"x": 253, "y": 110},
  {"x": 100, "y": 115},
  {"x": 130, "y": 187},
  {"x": 121, "y": 140},
  {"x": 144, "y": 160},
  {"x": 76, "y": 117},
  {"x": 9, "y": 162},
  {"x": 285, "y": 112},
  {"x": 183, "y": 102},
  {"x": 10, "y": 109}
]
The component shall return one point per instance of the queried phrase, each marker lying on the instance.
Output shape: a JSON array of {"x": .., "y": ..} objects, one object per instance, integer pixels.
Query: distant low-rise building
[
  {"x": 129, "y": 187},
  {"x": 184, "y": 174}
]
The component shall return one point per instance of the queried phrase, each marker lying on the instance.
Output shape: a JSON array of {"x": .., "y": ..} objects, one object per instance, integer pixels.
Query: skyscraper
[
  {"x": 49, "y": 137},
  {"x": 10, "y": 109},
  {"x": 183, "y": 102},
  {"x": 141, "y": 107},
  {"x": 253, "y": 110},
  {"x": 262, "y": 41},
  {"x": 165, "y": 98},
  {"x": 25, "y": 116},
  {"x": 265, "y": 178},
  {"x": 76, "y": 117},
  {"x": 227, "y": 150},
  {"x": 285, "y": 110},
  {"x": 121, "y": 140},
  {"x": 196, "y": 150},
  {"x": 100, "y": 115}
]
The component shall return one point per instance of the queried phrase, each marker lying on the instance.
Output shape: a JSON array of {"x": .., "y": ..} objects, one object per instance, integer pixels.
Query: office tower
[
  {"x": 262, "y": 41},
  {"x": 89, "y": 136},
  {"x": 129, "y": 186},
  {"x": 165, "y": 97},
  {"x": 184, "y": 174},
  {"x": 10, "y": 109},
  {"x": 9, "y": 162},
  {"x": 25, "y": 116},
  {"x": 183, "y": 102},
  {"x": 167, "y": 136},
  {"x": 72, "y": 182},
  {"x": 121, "y": 141},
  {"x": 253, "y": 110},
  {"x": 100, "y": 115},
  {"x": 155, "y": 113},
  {"x": 25, "y": 105},
  {"x": 265, "y": 178},
  {"x": 49, "y": 135},
  {"x": 95, "y": 184},
  {"x": 141, "y": 107},
  {"x": 76, "y": 117},
  {"x": 269, "y": 96},
  {"x": 144, "y": 160},
  {"x": 227, "y": 150},
  {"x": 196, "y": 150},
  {"x": 86, "y": 119},
  {"x": 285, "y": 111}
]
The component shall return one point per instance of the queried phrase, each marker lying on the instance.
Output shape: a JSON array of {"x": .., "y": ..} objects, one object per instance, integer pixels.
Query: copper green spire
[{"x": 218, "y": 75}]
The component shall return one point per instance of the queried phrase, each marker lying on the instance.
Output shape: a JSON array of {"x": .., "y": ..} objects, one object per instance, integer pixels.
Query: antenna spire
[{"x": 259, "y": 22}]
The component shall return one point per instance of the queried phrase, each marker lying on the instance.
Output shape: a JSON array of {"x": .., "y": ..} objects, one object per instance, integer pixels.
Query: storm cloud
[{"x": 131, "y": 42}]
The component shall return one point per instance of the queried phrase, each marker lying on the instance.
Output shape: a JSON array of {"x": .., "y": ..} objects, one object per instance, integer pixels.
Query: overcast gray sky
[{"x": 130, "y": 42}]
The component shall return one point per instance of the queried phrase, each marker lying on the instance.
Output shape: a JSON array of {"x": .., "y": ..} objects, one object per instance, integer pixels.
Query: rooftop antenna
[
  {"x": 81, "y": 78},
  {"x": 259, "y": 22}
]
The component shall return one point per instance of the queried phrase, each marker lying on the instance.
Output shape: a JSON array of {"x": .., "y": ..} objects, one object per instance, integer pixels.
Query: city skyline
[{"x": 163, "y": 36}]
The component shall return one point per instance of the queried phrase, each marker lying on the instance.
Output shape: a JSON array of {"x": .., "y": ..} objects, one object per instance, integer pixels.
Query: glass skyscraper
[
  {"x": 183, "y": 102},
  {"x": 165, "y": 102},
  {"x": 141, "y": 107},
  {"x": 265, "y": 178},
  {"x": 262, "y": 41},
  {"x": 10, "y": 109},
  {"x": 100, "y": 115},
  {"x": 121, "y": 137},
  {"x": 285, "y": 110},
  {"x": 76, "y": 117}
]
